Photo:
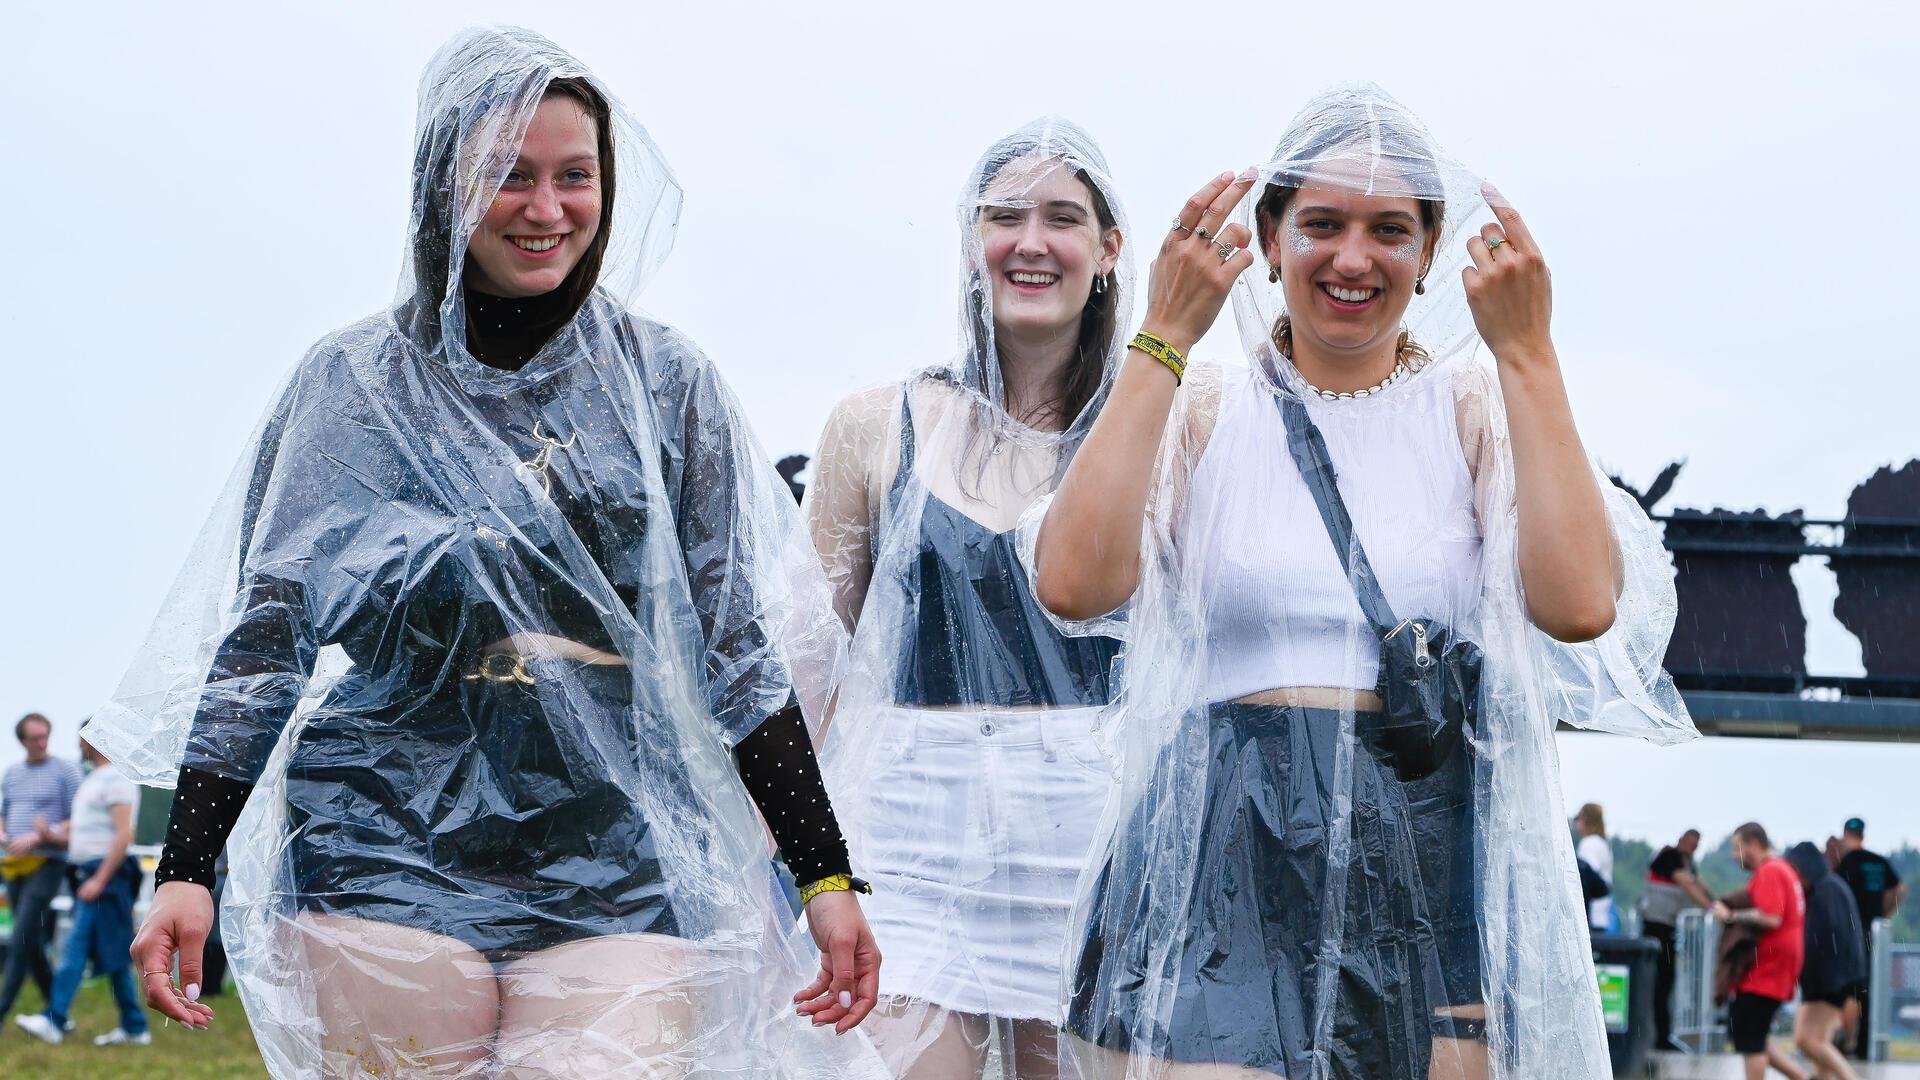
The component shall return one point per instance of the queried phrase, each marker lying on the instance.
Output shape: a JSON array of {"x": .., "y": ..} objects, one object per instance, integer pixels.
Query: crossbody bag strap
[{"x": 1310, "y": 455}]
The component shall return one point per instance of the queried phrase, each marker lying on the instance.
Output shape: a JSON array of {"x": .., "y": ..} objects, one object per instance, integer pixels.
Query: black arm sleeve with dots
[
  {"x": 776, "y": 763},
  {"x": 782, "y": 774}
]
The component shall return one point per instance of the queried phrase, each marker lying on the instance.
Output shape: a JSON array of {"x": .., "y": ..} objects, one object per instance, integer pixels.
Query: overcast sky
[{"x": 1726, "y": 194}]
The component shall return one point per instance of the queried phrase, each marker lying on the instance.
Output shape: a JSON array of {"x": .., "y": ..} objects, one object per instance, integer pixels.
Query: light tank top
[{"x": 1280, "y": 611}]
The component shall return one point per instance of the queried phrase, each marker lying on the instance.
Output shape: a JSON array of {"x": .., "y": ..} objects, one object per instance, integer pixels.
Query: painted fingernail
[
  {"x": 193, "y": 991},
  {"x": 846, "y": 999}
]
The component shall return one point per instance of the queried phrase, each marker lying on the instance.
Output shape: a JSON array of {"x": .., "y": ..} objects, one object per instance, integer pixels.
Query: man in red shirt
[{"x": 1779, "y": 912}]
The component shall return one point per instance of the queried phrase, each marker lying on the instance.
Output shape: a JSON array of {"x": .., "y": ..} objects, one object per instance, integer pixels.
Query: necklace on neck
[{"x": 1400, "y": 371}]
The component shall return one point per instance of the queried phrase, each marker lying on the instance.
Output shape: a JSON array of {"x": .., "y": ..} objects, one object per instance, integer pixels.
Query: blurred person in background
[
  {"x": 1594, "y": 850},
  {"x": 106, "y": 882},
  {"x": 1779, "y": 914},
  {"x": 1673, "y": 886},
  {"x": 1877, "y": 894},
  {"x": 36, "y": 796},
  {"x": 1836, "y": 961}
]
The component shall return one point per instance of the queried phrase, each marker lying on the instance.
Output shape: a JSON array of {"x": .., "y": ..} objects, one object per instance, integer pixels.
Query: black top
[
  {"x": 1669, "y": 862},
  {"x": 1871, "y": 877},
  {"x": 1836, "y": 956},
  {"x": 980, "y": 636}
]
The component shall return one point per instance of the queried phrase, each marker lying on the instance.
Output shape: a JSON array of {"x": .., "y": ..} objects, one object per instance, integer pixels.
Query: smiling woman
[
  {"x": 489, "y": 663},
  {"x": 961, "y": 746},
  {"x": 1360, "y": 577}
]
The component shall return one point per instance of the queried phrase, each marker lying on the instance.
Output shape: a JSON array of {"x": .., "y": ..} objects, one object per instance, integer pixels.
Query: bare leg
[
  {"x": 1850, "y": 1024},
  {"x": 919, "y": 1041},
  {"x": 395, "y": 1001},
  {"x": 1031, "y": 1051},
  {"x": 1098, "y": 1063},
  {"x": 1754, "y": 1066},
  {"x": 1460, "y": 1059},
  {"x": 1783, "y": 1063},
  {"x": 1813, "y": 1032},
  {"x": 608, "y": 1008}
]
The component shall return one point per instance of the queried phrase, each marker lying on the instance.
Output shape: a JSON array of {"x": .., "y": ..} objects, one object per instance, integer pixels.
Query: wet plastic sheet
[
  {"x": 960, "y": 750},
  {"x": 483, "y": 638},
  {"x": 1286, "y": 883}
]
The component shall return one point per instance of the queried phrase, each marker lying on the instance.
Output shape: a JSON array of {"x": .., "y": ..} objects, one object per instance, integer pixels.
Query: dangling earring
[
  {"x": 1099, "y": 283},
  {"x": 1420, "y": 287},
  {"x": 1273, "y": 275}
]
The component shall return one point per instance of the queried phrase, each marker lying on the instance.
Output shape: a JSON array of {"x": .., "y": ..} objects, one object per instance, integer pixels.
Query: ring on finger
[
  {"x": 1226, "y": 250},
  {"x": 1202, "y": 233},
  {"x": 1180, "y": 226},
  {"x": 1496, "y": 242}
]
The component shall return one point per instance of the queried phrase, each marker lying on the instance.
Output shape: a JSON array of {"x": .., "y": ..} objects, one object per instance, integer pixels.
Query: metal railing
[{"x": 1696, "y": 948}]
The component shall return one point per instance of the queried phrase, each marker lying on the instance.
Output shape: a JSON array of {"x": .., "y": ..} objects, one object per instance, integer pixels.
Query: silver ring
[
  {"x": 1178, "y": 227},
  {"x": 1226, "y": 251},
  {"x": 1202, "y": 233}
]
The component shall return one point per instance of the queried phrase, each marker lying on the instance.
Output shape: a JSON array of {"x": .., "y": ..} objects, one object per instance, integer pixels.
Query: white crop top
[{"x": 1280, "y": 611}]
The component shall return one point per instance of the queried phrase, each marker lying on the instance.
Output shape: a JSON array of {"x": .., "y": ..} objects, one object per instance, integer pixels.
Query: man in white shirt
[{"x": 107, "y": 880}]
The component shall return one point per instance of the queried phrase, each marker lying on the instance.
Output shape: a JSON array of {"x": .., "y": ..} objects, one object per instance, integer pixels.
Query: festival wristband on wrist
[
  {"x": 1160, "y": 349},
  {"x": 833, "y": 883}
]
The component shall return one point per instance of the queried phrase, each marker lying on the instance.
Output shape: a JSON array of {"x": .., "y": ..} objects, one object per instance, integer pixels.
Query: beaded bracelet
[
  {"x": 833, "y": 883},
  {"x": 1162, "y": 350}
]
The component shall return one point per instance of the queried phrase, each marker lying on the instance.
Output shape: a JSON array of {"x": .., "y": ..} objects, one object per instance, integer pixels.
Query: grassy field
[{"x": 224, "y": 1050}]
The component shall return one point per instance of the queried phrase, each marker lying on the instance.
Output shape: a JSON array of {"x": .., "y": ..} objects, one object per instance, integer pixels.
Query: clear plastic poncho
[
  {"x": 483, "y": 639},
  {"x": 960, "y": 749},
  {"x": 1280, "y": 887}
]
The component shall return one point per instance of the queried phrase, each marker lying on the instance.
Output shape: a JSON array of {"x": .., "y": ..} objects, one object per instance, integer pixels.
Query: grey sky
[{"x": 1726, "y": 194}]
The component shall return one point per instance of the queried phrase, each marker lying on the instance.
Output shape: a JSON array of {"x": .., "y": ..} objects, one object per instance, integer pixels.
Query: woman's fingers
[
  {"x": 1516, "y": 229},
  {"x": 1202, "y": 201},
  {"x": 1477, "y": 251},
  {"x": 814, "y": 989},
  {"x": 1223, "y": 203}
]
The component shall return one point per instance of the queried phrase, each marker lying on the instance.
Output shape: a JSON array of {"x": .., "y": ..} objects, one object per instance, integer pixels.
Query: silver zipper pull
[{"x": 1420, "y": 655}]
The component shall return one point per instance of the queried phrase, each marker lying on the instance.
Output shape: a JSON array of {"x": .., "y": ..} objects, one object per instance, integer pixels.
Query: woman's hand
[
  {"x": 90, "y": 890},
  {"x": 1189, "y": 279},
  {"x": 848, "y": 986},
  {"x": 1508, "y": 286},
  {"x": 178, "y": 922}
]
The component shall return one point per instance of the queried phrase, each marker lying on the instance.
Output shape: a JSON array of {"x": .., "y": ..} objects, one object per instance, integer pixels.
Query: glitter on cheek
[
  {"x": 1404, "y": 252},
  {"x": 1301, "y": 243}
]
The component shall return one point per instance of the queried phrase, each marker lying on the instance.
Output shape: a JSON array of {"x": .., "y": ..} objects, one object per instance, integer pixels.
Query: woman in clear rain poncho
[
  {"x": 1365, "y": 575},
  {"x": 501, "y": 581},
  {"x": 960, "y": 746}
]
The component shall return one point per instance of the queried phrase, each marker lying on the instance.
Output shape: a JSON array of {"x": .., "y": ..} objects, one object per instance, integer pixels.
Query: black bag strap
[{"x": 1309, "y": 450}]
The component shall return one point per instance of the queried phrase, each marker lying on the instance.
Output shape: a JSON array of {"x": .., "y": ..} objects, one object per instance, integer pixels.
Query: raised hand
[
  {"x": 1508, "y": 287},
  {"x": 1198, "y": 260}
]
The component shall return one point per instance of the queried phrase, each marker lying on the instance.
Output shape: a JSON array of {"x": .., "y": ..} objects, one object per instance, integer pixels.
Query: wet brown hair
[{"x": 585, "y": 275}]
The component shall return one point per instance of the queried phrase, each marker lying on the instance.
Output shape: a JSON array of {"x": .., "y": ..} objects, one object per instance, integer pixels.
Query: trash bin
[{"x": 1626, "y": 967}]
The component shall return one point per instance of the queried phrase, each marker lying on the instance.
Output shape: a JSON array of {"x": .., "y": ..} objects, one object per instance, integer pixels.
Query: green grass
[{"x": 224, "y": 1050}]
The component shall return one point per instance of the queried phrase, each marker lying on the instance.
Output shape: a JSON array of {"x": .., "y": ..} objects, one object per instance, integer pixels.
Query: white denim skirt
[{"x": 982, "y": 820}]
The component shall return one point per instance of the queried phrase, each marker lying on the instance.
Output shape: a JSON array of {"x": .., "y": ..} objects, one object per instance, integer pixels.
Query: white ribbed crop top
[{"x": 1280, "y": 612}]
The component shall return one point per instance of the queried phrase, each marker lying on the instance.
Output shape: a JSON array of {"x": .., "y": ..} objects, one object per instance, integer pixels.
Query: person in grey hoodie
[{"x": 1836, "y": 961}]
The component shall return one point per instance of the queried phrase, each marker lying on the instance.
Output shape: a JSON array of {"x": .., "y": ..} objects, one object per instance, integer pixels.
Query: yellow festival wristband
[
  {"x": 1162, "y": 350},
  {"x": 833, "y": 883}
]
